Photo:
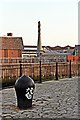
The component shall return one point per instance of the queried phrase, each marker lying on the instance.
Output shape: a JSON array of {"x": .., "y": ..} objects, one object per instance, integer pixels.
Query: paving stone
[{"x": 52, "y": 99}]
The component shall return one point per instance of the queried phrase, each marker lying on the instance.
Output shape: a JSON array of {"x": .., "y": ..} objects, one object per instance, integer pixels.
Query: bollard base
[{"x": 24, "y": 104}]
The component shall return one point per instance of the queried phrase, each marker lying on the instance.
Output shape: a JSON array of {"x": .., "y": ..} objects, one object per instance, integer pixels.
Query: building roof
[
  {"x": 9, "y": 42},
  {"x": 51, "y": 53},
  {"x": 60, "y": 48}
]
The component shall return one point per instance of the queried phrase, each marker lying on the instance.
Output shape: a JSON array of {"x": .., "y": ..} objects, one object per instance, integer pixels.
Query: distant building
[
  {"x": 29, "y": 51},
  {"x": 77, "y": 50},
  {"x": 59, "y": 49},
  {"x": 53, "y": 54},
  {"x": 75, "y": 57},
  {"x": 57, "y": 53},
  {"x": 11, "y": 47},
  {"x": 47, "y": 53}
]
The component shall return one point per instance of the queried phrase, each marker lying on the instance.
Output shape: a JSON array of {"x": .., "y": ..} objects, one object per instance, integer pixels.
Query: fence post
[
  {"x": 56, "y": 71},
  {"x": 40, "y": 72},
  {"x": 70, "y": 69},
  {"x": 20, "y": 68}
]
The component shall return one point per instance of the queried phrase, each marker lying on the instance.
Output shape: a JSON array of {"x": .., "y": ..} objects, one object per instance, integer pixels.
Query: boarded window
[
  {"x": 19, "y": 53},
  {"x": 5, "y": 53}
]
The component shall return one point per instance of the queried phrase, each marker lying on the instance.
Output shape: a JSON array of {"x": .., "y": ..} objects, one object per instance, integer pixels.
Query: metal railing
[{"x": 38, "y": 71}]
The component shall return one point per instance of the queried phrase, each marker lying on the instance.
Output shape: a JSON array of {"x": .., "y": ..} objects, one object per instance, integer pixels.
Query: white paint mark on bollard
[{"x": 29, "y": 93}]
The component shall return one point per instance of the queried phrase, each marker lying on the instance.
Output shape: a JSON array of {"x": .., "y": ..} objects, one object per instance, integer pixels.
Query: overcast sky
[{"x": 59, "y": 21}]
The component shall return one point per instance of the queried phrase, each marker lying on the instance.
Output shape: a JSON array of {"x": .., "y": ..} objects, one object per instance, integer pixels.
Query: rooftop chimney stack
[
  {"x": 39, "y": 44},
  {"x": 9, "y": 34}
]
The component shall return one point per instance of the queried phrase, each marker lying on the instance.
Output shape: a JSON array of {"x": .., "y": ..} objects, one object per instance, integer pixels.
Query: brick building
[
  {"x": 73, "y": 58},
  {"x": 11, "y": 47}
]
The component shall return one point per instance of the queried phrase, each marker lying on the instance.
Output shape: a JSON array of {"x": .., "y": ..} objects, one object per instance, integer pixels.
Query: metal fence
[{"x": 38, "y": 71}]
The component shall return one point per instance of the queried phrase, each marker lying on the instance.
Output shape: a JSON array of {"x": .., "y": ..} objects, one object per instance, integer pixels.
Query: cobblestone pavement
[{"x": 52, "y": 99}]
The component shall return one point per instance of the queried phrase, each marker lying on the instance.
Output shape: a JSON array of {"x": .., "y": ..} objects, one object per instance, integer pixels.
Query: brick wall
[
  {"x": 73, "y": 58},
  {"x": 11, "y": 54},
  {"x": 14, "y": 53},
  {"x": 33, "y": 70}
]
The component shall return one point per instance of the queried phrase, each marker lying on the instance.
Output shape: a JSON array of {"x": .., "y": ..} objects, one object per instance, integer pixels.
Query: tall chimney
[
  {"x": 39, "y": 44},
  {"x": 79, "y": 22}
]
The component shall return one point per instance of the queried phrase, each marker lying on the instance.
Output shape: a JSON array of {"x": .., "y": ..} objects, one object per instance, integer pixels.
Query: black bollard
[{"x": 24, "y": 88}]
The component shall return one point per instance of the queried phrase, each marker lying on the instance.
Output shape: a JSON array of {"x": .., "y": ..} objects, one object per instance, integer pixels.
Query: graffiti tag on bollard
[{"x": 29, "y": 93}]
